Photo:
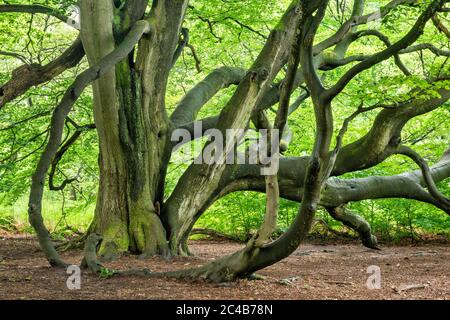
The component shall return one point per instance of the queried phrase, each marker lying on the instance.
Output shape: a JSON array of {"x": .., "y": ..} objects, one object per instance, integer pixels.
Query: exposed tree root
[
  {"x": 226, "y": 269},
  {"x": 90, "y": 253}
]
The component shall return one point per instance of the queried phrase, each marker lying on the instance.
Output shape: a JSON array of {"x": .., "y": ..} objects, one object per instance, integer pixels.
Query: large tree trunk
[{"x": 132, "y": 124}]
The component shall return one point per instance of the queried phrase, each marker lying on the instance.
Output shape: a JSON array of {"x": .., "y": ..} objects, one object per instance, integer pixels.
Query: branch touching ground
[
  {"x": 215, "y": 234},
  {"x": 355, "y": 222},
  {"x": 328, "y": 228},
  {"x": 90, "y": 253}
]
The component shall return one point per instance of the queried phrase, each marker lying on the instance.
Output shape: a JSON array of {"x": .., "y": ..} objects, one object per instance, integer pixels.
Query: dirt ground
[{"x": 314, "y": 271}]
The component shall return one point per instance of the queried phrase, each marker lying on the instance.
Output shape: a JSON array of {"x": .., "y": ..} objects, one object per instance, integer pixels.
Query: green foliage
[
  {"x": 106, "y": 273},
  {"x": 63, "y": 217}
]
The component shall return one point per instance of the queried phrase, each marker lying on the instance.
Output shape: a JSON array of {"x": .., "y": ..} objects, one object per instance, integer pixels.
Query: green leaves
[{"x": 106, "y": 273}]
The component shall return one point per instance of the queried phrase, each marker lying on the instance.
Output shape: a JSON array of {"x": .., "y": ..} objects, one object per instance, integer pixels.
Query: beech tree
[{"x": 132, "y": 46}]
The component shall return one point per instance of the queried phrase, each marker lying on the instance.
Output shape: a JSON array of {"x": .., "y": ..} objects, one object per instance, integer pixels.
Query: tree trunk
[{"x": 132, "y": 124}]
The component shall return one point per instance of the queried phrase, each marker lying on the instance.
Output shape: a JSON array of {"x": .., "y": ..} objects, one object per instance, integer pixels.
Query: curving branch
[
  {"x": 272, "y": 186},
  {"x": 355, "y": 222},
  {"x": 196, "y": 58},
  {"x": 330, "y": 63},
  {"x": 187, "y": 109},
  {"x": 58, "y": 156},
  {"x": 339, "y": 140},
  {"x": 245, "y": 26},
  {"x": 14, "y": 55},
  {"x": 440, "y": 26},
  {"x": 184, "y": 42},
  {"x": 27, "y": 76},
  {"x": 357, "y": 20},
  {"x": 383, "y": 38},
  {"x": 408, "y": 185}
]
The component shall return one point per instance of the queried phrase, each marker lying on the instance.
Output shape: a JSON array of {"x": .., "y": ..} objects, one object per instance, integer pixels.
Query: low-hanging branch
[
  {"x": 414, "y": 33},
  {"x": 27, "y": 76},
  {"x": 355, "y": 222}
]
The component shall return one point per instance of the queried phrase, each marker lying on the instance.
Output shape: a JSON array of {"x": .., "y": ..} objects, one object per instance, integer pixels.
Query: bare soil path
[{"x": 334, "y": 271}]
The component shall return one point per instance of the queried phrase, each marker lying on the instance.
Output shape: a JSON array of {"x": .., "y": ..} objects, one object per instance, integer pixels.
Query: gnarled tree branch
[{"x": 26, "y": 76}]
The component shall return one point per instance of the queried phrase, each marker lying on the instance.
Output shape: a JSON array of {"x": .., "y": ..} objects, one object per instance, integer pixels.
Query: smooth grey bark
[
  {"x": 355, "y": 222},
  {"x": 441, "y": 199},
  {"x": 187, "y": 109}
]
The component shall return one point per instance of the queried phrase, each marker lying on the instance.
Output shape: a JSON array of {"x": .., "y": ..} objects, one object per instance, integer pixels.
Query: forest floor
[{"x": 315, "y": 271}]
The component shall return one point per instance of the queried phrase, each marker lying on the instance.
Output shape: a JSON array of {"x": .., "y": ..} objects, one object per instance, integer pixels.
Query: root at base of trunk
[
  {"x": 147, "y": 235},
  {"x": 143, "y": 235}
]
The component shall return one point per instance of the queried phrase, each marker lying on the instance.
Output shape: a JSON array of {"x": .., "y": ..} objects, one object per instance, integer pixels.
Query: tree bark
[{"x": 132, "y": 124}]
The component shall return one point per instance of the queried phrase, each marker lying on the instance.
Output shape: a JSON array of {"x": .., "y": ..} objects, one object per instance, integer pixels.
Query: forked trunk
[{"x": 132, "y": 124}]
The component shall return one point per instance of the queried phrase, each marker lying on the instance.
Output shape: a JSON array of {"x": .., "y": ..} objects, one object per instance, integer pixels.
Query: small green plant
[{"x": 106, "y": 273}]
